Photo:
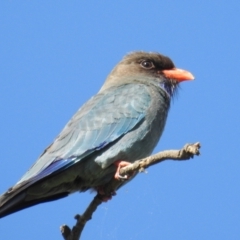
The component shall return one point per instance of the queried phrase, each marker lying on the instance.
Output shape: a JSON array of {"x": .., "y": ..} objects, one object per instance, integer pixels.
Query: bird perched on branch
[{"x": 120, "y": 124}]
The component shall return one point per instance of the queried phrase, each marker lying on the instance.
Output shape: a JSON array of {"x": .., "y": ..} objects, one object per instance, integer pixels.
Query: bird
[{"x": 122, "y": 123}]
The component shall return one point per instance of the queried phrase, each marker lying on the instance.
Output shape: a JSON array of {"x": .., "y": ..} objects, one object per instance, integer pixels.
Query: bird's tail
[
  {"x": 8, "y": 204},
  {"x": 11, "y": 202}
]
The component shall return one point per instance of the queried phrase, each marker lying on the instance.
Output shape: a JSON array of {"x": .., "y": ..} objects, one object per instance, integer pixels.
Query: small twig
[
  {"x": 76, "y": 231},
  {"x": 187, "y": 152}
]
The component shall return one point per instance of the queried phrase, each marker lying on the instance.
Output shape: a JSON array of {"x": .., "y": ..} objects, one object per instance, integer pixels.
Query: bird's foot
[
  {"x": 103, "y": 195},
  {"x": 121, "y": 164}
]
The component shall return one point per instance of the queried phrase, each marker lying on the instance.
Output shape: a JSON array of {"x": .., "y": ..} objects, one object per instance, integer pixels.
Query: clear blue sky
[{"x": 56, "y": 54}]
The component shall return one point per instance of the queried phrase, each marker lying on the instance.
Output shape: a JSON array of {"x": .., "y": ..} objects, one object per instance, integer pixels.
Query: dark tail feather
[{"x": 18, "y": 203}]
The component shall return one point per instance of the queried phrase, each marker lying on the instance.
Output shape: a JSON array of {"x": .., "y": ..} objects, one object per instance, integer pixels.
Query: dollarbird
[{"x": 122, "y": 123}]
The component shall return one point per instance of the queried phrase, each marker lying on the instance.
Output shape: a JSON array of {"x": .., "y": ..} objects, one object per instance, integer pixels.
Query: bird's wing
[{"x": 102, "y": 120}]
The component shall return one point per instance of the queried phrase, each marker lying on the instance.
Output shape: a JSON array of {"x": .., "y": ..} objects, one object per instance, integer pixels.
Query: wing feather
[{"x": 103, "y": 119}]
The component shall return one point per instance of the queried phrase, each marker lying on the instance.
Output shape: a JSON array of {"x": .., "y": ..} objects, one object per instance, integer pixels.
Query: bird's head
[{"x": 147, "y": 67}]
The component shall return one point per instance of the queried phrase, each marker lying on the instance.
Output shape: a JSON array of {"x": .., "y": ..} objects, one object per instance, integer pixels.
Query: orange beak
[{"x": 178, "y": 74}]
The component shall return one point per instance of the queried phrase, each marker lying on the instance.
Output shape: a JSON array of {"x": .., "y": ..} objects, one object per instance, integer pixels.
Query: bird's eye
[{"x": 147, "y": 64}]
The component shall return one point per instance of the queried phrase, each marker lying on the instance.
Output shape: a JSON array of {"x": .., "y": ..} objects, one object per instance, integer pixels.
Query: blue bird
[{"x": 121, "y": 123}]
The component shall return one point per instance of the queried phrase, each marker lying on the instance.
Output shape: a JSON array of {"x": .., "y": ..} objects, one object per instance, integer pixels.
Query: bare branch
[
  {"x": 187, "y": 152},
  {"x": 76, "y": 231}
]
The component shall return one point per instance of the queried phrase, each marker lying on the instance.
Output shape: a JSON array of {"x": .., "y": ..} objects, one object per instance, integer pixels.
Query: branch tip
[{"x": 66, "y": 231}]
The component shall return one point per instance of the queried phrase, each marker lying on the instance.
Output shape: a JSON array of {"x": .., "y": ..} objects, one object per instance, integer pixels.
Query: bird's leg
[
  {"x": 120, "y": 164},
  {"x": 106, "y": 195},
  {"x": 103, "y": 195}
]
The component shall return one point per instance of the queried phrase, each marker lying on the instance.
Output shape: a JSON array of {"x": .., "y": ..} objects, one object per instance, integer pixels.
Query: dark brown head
[{"x": 142, "y": 66}]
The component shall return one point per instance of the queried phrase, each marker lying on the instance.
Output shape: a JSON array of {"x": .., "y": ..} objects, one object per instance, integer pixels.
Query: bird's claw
[
  {"x": 121, "y": 164},
  {"x": 120, "y": 177}
]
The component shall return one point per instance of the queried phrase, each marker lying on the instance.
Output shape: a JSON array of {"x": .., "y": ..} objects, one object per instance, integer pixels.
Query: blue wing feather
[{"x": 103, "y": 119}]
